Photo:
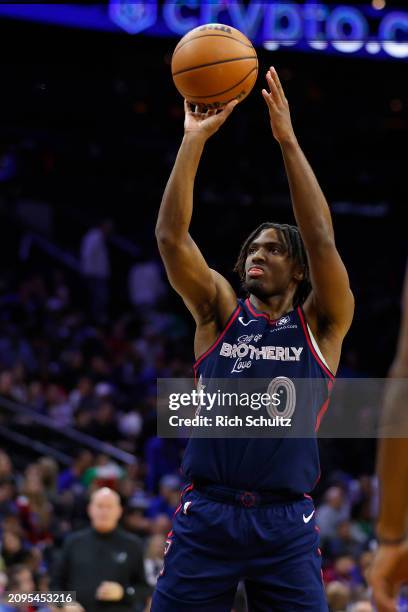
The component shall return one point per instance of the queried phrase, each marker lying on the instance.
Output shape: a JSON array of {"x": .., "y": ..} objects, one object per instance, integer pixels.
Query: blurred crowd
[
  {"x": 85, "y": 137},
  {"x": 44, "y": 503},
  {"x": 100, "y": 379}
]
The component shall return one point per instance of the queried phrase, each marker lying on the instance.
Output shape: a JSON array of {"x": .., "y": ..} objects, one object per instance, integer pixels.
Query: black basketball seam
[
  {"x": 219, "y": 93},
  {"x": 241, "y": 42},
  {"x": 233, "y": 59}
]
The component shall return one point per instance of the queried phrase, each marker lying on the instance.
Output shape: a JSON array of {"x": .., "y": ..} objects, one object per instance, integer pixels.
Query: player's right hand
[
  {"x": 388, "y": 573},
  {"x": 205, "y": 124}
]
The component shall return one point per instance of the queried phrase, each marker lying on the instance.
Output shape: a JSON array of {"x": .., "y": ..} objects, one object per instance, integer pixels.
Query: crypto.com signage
[
  {"x": 310, "y": 26},
  {"x": 315, "y": 27}
]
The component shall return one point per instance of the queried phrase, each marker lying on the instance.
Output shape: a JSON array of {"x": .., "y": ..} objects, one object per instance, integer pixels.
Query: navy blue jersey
[{"x": 254, "y": 346}]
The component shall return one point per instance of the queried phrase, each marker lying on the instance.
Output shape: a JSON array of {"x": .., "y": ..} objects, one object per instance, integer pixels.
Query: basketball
[{"x": 214, "y": 64}]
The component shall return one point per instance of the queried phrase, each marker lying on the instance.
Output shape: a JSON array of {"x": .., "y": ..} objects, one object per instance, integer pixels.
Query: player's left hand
[
  {"x": 110, "y": 591},
  {"x": 388, "y": 573},
  {"x": 278, "y": 106}
]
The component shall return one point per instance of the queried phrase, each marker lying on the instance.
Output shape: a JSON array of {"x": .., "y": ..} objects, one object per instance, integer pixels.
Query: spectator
[
  {"x": 71, "y": 477},
  {"x": 7, "y": 505},
  {"x": 349, "y": 540},
  {"x": 135, "y": 518},
  {"x": 104, "y": 473},
  {"x": 163, "y": 458},
  {"x": 82, "y": 397},
  {"x": 20, "y": 580},
  {"x": 103, "y": 563},
  {"x": 104, "y": 426},
  {"x": 334, "y": 510},
  {"x": 36, "y": 396},
  {"x": 146, "y": 284},
  {"x": 95, "y": 268},
  {"x": 3, "y": 584},
  {"x": 365, "y": 563},
  {"x": 154, "y": 558},
  {"x": 168, "y": 499},
  {"x": 6, "y": 467},
  {"x": 346, "y": 571},
  {"x": 338, "y": 596},
  {"x": 58, "y": 407},
  {"x": 34, "y": 507},
  {"x": 13, "y": 551},
  {"x": 48, "y": 470},
  {"x": 361, "y": 606},
  {"x": 7, "y": 386}
]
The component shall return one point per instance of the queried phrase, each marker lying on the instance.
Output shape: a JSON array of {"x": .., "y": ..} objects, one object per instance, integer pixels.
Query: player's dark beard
[{"x": 254, "y": 287}]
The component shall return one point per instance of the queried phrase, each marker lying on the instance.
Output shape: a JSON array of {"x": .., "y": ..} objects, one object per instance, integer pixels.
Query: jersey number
[{"x": 285, "y": 389}]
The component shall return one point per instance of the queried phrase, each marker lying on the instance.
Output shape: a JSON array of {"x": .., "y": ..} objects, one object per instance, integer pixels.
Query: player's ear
[{"x": 298, "y": 273}]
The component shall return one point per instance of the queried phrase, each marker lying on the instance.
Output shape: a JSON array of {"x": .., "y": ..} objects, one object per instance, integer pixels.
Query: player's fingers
[
  {"x": 278, "y": 83},
  {"x": 385, "y": 604},
  {"x": 230, "y": 107},
  {"x": 383, "y": 597},
  {"x": 273, "y": 89},
  {"x": 227, "y": 110},
  {"x": 187, "y": 107},
  {"x": 268, "y": 99}
]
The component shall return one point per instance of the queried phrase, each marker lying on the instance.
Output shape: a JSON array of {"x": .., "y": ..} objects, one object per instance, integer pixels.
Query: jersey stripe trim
[
  {"x": 317, "y": 479},
  {"x": 263, "y": 314},
  {"x": 312, "y": 349},
  {"x": 316, "y": 346},
  {"x": 177, "y": 510},
  {"x": 230, "y": 321},
  {"x": 257, "y": 314},
  {"x": 325, "y": 406}
]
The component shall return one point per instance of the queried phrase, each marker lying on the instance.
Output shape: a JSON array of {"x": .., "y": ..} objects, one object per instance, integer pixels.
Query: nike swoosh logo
[
  {"x": 306, "y": 519},
  {"x": 241, "y": 320}
]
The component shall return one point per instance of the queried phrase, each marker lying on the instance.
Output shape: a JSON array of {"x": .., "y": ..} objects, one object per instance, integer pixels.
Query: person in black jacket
[{"x": 103, "y": 563}]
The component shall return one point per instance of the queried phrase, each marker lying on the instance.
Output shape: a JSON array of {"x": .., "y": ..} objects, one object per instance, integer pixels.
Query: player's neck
[{"x": 275, "y": 307}]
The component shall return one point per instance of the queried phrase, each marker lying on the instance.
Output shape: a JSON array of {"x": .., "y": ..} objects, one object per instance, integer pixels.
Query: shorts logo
[
  {"x": 306, "y": 519},
  {"x": 186, "y": 507}
]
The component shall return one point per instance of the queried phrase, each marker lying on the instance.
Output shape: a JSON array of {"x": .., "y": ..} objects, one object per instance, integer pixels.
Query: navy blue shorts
[{"x": 273, "y": 548}]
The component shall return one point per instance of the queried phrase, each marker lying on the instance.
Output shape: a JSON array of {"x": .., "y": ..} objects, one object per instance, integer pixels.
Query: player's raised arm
[
  {"x": 390, "y": 568},
  {"x": 331, "y": 302},
  {"x": 186, "y": 268}
]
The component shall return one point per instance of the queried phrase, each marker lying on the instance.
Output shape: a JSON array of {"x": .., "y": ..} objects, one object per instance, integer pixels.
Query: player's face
[{"x": 269, "y": 270}]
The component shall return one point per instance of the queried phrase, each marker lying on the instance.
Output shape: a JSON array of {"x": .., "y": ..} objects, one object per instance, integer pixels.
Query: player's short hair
[{"x": 290, "y": 236}]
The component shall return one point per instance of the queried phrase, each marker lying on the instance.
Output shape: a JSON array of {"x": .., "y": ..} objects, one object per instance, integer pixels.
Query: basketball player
[
  {"x": 390, "y": 568},
  {"x": 245, "y": 514}
]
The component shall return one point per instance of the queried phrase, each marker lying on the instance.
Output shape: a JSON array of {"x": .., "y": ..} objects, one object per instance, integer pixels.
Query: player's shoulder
[
  {"x": 220, "y": 280},
  {"x": 227, "y": 299}
]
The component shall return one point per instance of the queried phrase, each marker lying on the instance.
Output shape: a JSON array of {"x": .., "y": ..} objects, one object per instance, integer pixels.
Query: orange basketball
[{"x": 214, "y": 64}]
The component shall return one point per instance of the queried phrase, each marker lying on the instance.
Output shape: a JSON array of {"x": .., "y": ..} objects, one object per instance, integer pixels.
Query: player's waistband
[{"x": 247, "y": 499}]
